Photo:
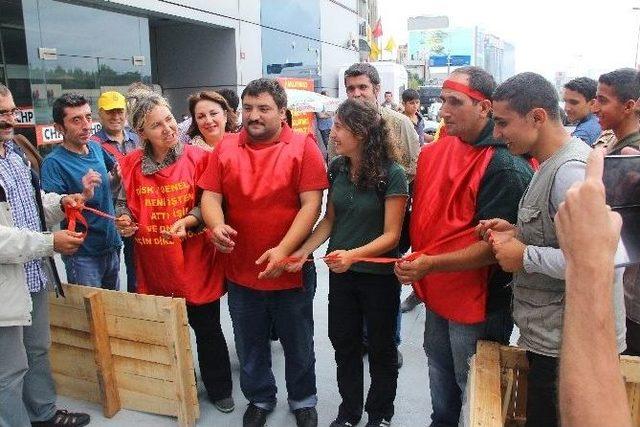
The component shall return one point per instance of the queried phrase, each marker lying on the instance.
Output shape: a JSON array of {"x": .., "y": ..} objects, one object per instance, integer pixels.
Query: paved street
[{"x": 413, "y": 404}]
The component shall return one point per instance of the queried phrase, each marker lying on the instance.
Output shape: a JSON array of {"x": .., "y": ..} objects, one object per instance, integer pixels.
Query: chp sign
[{"x": 47, "y": 134}]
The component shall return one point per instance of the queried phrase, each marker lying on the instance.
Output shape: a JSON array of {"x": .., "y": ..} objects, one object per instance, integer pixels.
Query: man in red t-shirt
[{"x": 262, "y": 195}]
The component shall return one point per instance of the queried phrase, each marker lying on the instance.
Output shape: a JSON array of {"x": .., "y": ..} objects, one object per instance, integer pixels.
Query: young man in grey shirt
[{"x": 527, "y": 118}]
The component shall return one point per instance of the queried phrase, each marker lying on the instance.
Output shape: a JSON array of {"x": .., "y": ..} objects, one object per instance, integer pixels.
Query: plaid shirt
[{"x": 16, "y": 179}]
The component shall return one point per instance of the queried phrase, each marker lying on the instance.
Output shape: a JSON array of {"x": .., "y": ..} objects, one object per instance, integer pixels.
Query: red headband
[{"x": 463, "y": 88}]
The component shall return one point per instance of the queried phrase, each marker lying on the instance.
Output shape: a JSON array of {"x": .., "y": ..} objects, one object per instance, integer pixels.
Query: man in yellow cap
[{"x": 117, "y": 140}]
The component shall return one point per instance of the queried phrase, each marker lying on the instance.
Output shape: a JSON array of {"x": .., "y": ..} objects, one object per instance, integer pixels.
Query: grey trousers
[{"x": 27, "y": 391}]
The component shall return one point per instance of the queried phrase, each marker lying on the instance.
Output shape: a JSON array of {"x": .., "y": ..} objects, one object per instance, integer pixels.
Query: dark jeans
[
  {"x": 129, "y": 262},
  {"x": 290, "y": 311},
  {"x": 542, "y": 391},
  {"x": 449, "y": 346},
  {"x": 633, "y": 338},
  {"x": 374, "y": 298},
  {"x": 213, "y": 355}
]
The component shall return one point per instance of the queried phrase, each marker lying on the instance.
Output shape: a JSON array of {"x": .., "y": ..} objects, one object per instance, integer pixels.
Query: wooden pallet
[
  {"x": 497, "y": 386},
  {"x": 124, "y": 351}
]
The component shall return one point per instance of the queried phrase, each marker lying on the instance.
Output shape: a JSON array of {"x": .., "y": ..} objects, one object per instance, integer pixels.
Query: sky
[{"x": 576, "y": 37}]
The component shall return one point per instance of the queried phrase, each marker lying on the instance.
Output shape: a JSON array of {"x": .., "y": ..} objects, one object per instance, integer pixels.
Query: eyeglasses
[{"x": 15, "y": 112}]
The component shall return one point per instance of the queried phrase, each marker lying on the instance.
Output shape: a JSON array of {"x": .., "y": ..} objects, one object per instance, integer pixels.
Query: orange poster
[{"x": 302, "y": 122}]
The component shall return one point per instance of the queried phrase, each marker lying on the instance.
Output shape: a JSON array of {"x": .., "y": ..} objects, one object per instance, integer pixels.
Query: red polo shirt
[{"x": 261, "y": 185}]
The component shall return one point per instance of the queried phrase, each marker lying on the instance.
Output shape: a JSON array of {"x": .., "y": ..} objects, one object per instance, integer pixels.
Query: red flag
[{"x": 377, "y": 29}]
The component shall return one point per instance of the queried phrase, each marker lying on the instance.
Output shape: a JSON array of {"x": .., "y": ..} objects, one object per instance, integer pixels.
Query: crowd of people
[{"x": 493, "y": 223}]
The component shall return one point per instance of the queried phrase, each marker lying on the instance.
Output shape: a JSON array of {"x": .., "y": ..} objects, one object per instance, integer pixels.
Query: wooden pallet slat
[
  {"x": 124, "y": 351},
  {"x": 102, "y": 352}
]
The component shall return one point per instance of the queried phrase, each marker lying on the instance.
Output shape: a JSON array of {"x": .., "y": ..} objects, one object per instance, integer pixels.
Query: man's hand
[
  {"x": 409, "y": 272},
  {"x": 588, "y": 231},
  {"x": 339, "y": 261},
  {"x": 509, "y": 251},
  {"x": 126, "y": 226},
  {"x": 89, "y": 181},
  {"x": 72, "y": 200},
  {"x": 222, "y": 238},
  {"x": 274, "y": 257},
  {"x": 301, "y": 256},
  {"x": 495, "y": 224},
  {"x": 67, "y": 242}
]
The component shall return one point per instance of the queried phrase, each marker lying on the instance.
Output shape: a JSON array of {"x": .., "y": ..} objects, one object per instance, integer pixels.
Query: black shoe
[
  {"x": 306, "y": 417},
  {"x": 343, "y": 422},
  {"x": 225, "y": 405},
  {"x": 400, "y": 360},
  {"x": 378, "y": 422},
  {"x": 254, "y": 416},
  {"x": 64, "y": 418}
]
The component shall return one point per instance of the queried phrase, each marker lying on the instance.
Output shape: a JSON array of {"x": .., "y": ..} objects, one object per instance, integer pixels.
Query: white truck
[{"x": 393, "y": 78}]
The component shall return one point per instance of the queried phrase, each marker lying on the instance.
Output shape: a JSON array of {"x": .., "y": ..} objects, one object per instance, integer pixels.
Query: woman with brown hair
[
  {"x": 211, "y": 117},
  {"x": 364, "y": 213},
  {"x": 174, "y": 255}
]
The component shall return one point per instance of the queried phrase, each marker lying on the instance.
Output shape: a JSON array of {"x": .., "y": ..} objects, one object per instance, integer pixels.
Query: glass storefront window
[{"x": 95, "y": 51}]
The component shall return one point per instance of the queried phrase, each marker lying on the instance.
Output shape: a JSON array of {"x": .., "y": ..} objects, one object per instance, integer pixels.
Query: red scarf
[{"x": 445, "y": 191}]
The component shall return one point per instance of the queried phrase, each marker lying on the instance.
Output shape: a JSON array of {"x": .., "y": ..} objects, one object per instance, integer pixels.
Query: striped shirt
[{"x": 16, "y": 179}]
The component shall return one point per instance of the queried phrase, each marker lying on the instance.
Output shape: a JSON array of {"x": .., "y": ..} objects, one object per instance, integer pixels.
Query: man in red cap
[{"x": 462, "y": 178}]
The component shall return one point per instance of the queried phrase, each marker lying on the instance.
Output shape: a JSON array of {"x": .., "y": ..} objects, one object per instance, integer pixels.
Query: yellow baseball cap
[{"x": 111, "y": 100}]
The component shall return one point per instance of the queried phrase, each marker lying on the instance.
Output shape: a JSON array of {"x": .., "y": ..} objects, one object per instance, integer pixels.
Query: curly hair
[
  {"x": 365, "y": 121},
  {"x": 232, "y": 119}
]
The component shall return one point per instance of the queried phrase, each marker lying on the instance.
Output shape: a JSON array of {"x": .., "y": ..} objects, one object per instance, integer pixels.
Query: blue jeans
[
  {"x": 449, "y": 346},
  {"x": 290, "y": 312},
  {"x": 97, "y": 271}
]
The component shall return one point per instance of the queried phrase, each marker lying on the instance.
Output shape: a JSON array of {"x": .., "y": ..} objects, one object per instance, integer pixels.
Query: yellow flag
[
  {"x": 375, "y": 51},
  {"x": 391, "y": 44}
]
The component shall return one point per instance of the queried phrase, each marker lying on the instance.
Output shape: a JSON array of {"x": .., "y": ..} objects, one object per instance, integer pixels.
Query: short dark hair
[
  {"x": 363, "y": 69},
  {"x": 526, "y": 91},
  {"x": 584, "y": 86},
  {"x": 64, "y": 101},
  {"x": 231, "y": 97},
  {"x": 270, "y": 86},
  {"x": 479, "y": 79},
  {"x": 388, "y": 92},
  {"x": 624, "y": 82},
  {"x": 410, "y": 95}
]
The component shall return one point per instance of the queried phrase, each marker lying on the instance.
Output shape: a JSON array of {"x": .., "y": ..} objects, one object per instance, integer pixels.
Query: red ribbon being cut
[
  {"x": 377, "y": 260},
  {"x": 74, "y": 216}
]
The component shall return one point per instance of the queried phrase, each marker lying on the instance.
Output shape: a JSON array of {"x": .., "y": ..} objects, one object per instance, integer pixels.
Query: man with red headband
[{"x": 462, "y": 178}]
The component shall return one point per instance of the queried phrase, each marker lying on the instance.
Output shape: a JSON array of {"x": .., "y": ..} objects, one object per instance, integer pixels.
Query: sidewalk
[{"x": 412, "y": 404}]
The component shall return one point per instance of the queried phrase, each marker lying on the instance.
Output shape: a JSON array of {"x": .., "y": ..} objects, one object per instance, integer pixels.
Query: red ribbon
[
  {"x": 463, "y": 88},
  {"x": 376, "y": 260},
  {"x": 74, "y": 216}
]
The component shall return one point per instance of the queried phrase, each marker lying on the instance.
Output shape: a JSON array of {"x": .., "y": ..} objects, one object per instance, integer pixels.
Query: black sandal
[{"x": 64, "y": 418}]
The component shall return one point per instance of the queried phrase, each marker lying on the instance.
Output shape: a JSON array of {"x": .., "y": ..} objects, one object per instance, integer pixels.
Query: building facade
[
  {"x": 436, "y": 48},
  {"x": 49, "y": 47}
]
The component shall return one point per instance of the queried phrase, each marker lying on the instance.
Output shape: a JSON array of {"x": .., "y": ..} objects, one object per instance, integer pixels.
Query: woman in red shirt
[
  {"x": 211, "y": 117},
  {"x": 173, "y": 253}
]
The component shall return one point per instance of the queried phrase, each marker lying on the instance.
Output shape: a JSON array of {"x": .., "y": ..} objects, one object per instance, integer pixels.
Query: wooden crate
[
  {"x": 124, "y": 351},
  {"x": 497, "y": 386}
]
